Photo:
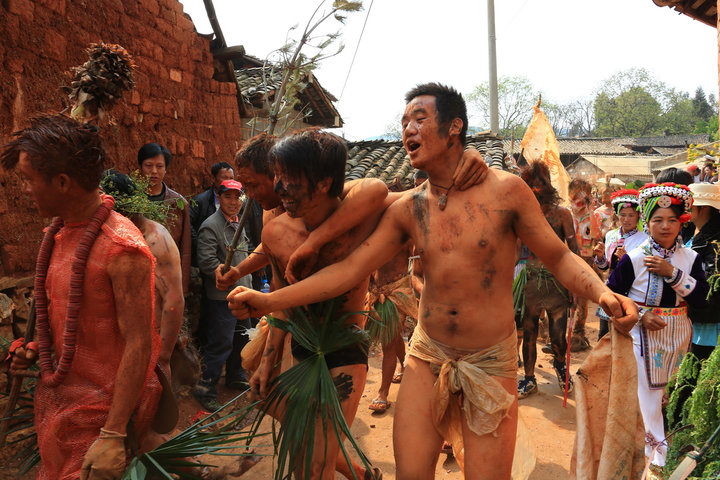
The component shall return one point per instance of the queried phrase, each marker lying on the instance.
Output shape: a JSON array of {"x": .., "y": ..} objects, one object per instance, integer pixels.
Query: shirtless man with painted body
[
  {"x": 468, "y": 254},
  {"x": 169, "y": 300}
]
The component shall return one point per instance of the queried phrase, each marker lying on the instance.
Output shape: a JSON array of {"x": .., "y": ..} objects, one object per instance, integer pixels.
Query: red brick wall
[{"x": 175, "y": 103}]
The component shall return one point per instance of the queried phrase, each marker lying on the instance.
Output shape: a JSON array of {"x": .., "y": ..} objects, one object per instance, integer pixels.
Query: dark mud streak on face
[
  {"x": 420, "y": 210},
  {"x": 344, "y": 385}
]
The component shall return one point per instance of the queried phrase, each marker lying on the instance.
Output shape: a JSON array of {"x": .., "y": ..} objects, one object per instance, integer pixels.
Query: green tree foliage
[
  {"x": 702, "y": 108},
  {"x": 631, "y": 113},
  {"x": 632, "y": 103},
  {"x": 516, "y": 97}
]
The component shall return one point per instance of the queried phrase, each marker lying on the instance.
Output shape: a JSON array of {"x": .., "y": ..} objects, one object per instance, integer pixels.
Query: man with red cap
[{"x": 225, "y": 332}]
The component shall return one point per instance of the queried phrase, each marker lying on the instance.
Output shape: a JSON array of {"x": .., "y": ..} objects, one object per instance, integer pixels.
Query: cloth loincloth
[
  {"x": 485, "y": 402},
  {"x": 400, "y": 293}
]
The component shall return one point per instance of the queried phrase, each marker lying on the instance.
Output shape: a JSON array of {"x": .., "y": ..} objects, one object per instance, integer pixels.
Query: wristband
[{"x": 107, "y": 434}]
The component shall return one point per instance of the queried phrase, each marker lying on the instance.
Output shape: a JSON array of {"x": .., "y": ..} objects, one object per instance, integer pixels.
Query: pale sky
[{"x": 566, "y": 48}]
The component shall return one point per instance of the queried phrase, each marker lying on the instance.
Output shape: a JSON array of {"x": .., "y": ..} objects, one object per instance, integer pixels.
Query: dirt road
[{"x": 552, "y": 426}]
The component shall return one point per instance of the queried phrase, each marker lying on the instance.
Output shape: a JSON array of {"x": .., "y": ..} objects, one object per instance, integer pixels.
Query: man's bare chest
[{"x": 466, "y": 227}]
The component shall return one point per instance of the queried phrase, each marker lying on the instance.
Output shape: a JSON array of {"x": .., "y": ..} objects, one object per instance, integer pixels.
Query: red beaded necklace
[{"x": 52, "y": 377}]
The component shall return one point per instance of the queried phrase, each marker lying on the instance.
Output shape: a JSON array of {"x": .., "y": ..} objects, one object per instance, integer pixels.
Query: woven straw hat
[{"x": 706, "y": 194}]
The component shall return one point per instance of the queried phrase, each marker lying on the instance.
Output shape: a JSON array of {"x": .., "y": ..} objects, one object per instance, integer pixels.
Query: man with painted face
[
  {"x": 466, "y": 330},
  {"x": 361, "y": 198}
]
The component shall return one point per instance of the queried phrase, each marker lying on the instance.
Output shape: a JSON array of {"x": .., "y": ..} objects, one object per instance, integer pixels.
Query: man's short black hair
[
  {"x": 316, "y": 155},
  {"x": 58, "y": 144},
  {"x": 255, "y": 154},
  {"x": 449, "y": 104},
  {"x": 675, "y": 175},
  {"x": 150, "y": 150},
  {"x": 215, "y": 169}
]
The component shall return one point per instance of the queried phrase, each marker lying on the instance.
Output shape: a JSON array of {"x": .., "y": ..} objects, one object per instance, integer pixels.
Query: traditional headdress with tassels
[
  {"x": 663, "y": 196},
  {"x": 624, "y": 198}
]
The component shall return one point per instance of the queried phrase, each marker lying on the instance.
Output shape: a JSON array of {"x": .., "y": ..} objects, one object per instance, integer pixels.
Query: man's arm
[
  {"x": 254, "y": 262},
  {"x": 360, "y": 200},
  {"x": 384, "y": 243},
  {"x": 168, "y": 282},
  {"x": 569, "y": 269},
  {"x": 130, "y": 277}
]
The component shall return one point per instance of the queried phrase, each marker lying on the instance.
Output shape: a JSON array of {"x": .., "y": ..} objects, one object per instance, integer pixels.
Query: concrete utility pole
[{"x": 492, "y": 58}]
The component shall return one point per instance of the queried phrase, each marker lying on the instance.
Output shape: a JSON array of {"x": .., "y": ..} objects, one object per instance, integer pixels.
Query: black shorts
[{"x": 353, "y": 355}]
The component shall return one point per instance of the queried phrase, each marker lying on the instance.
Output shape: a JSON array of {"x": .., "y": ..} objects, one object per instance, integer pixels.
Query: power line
[{"x": 357, "y": 47}]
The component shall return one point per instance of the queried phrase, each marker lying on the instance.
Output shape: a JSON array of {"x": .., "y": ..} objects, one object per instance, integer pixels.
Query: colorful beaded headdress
[
  {"x": 663, "y": 196},
  {"x": 624, "y": 198}
]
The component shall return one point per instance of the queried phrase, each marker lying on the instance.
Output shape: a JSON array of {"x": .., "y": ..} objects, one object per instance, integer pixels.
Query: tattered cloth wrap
[
  {"x": 610, "y": 435},
  {"x": 485, "y": 402},
  {"x": 399, "y": 292}
]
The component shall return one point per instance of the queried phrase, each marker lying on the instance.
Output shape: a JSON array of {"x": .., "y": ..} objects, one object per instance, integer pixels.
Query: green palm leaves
[{"x": 306, "y": 394}]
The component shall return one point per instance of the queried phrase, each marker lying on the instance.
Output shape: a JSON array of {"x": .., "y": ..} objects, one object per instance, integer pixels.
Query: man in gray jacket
[{"x": 225, "y": 333}]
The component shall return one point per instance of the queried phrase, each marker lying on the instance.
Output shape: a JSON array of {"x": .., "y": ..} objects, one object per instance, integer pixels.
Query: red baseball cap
[{"x": 230, "y": 185}]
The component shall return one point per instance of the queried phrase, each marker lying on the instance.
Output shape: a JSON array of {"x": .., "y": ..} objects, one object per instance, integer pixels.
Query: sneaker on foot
[
  {"x": 560, "y": 371},
  {"x": 527, "y": 386},
  {"x": 210, "y": 404}
]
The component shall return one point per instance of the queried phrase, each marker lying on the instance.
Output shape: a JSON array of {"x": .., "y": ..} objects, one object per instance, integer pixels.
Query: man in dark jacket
[
  {"x": 154, "y": 160},
  {"x": 706, "y": 242},
  {"x": 225, "y": 333},
  {"x": 207, "y": 202}
]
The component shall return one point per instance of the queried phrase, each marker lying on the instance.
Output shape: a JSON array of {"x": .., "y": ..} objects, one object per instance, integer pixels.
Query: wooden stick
[
  {"x": 17, "y": 379},
  {"x": 236, "y": 238}
]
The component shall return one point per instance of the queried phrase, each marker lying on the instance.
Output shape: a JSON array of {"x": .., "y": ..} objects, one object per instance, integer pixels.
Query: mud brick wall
[{"x": 176, "y": 102}]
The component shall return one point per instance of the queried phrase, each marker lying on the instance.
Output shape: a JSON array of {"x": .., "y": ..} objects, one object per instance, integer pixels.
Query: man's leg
[
  {"x": 234, "y": 374},
  {"x": 491, "y": 455},
  {"x": 558, "y": 338},
  {"x": 390, "y": 355},
  {"x": 221, "y": 326},
  {"x": 528, "y": 385},
  {"x": 350, "y": 382},
  {"x": 415, "y": 439}
]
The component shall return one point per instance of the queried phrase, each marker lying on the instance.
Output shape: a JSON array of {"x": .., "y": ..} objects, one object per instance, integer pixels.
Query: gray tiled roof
[
  {"x": 387, "y": 159},
  {"x": 253, "y": 90},
  {"x": 580, "y": 146},
  {"x": 666, "y": 140}
]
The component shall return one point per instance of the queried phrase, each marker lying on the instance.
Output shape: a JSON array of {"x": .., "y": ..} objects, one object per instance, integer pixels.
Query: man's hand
[
  {"x": 22, "y": 357},
  {"x": 224, "y": 282},
  {"x": 105, "y": 459},
  {"x": 246, "y": 302},
  {"x": 659, "y": 266},
  {"x": 301, "y": 262},
  {"x": 470, "y": 171},
  {"x": 599, "y": 250},
  {"x": 653, "y": 322},
  {"x": 623, "y": 311},
  {"x": 261, "y": 378}
]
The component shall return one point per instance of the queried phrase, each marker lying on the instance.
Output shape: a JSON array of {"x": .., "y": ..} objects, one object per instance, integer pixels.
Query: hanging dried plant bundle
[{"x": 100, "y": 82}]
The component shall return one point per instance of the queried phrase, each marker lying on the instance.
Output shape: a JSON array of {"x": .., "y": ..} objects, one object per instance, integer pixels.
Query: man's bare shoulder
[{"x": 279, "y": 227}]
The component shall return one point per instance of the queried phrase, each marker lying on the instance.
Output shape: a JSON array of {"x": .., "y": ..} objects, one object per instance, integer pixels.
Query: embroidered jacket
[
  {"x": 630, "y": 241},
  {"x": 632, "y": 278}
]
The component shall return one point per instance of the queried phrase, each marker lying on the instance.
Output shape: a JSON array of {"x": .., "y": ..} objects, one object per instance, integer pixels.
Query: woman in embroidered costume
[
  {"x": 662, "y": 277},
  {"x": 619, "y": 241}
]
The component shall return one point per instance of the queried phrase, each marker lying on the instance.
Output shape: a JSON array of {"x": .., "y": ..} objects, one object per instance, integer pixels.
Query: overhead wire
[{"x": 357, "y": 47}]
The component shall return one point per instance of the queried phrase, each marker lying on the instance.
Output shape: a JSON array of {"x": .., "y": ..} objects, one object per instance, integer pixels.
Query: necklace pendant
[{"x": 442, "y": 201}]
